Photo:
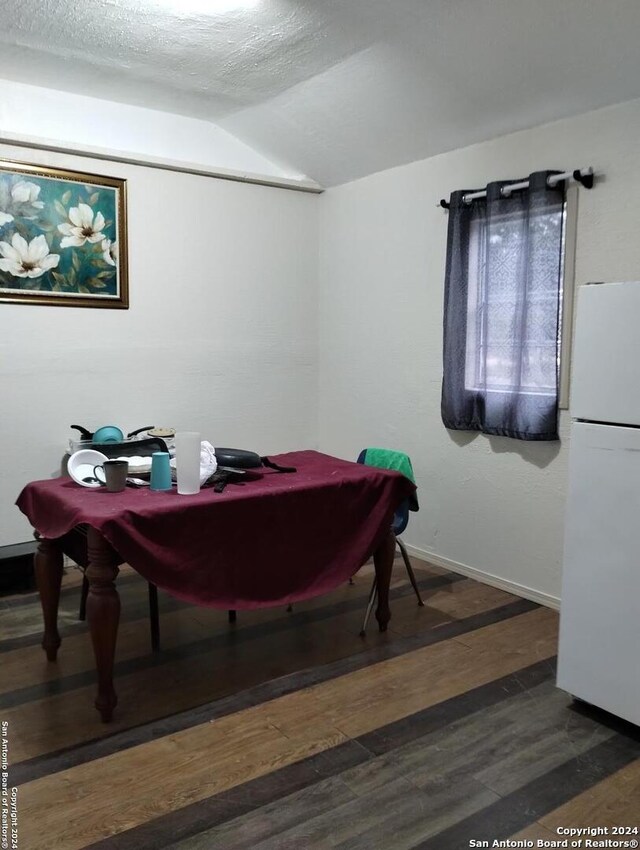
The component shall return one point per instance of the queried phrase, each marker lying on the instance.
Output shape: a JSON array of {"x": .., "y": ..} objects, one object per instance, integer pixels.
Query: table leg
[
  {"x": 103, "y": 614},
  {"x": 383, "y": 562},
  {"x": 48, "y": 570}
]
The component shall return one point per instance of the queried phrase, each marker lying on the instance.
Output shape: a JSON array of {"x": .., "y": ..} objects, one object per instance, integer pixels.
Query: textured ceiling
[{"x": 336, "y": 88}]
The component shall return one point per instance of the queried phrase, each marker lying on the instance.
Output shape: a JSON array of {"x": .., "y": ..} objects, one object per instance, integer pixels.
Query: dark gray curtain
[{"x": 503, "y": 292}]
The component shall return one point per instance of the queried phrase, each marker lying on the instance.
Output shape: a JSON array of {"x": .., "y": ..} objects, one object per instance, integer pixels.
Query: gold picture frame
[{"x": 63, "y": 237}]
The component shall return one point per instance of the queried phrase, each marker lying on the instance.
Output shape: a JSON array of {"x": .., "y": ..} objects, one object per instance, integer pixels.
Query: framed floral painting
[{"x": 63, "y": 237}]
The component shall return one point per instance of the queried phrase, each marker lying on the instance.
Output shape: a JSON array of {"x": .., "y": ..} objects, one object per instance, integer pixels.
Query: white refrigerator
[{"x": 599, "y": 652}]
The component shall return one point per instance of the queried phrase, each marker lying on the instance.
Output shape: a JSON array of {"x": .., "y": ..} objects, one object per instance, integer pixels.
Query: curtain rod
[{"x": 580, "y": 175}]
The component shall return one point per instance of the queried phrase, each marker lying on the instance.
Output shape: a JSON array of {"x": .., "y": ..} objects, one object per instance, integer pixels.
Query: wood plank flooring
[{"x": 288, "y": 730}]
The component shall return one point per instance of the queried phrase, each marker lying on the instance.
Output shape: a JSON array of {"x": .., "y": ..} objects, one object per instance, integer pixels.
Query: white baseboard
[{"x": 486, "y": 578}]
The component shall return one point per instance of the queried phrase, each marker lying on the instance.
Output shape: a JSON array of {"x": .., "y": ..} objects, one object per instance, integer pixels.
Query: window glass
[{"x": 503, "y": 339}]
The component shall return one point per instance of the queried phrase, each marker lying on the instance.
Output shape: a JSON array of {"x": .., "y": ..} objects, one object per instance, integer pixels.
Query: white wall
[
  {"x": 491, "y": 504},
  {"x": 89, "y": 122},
  {"x": 221, "y": 334}
]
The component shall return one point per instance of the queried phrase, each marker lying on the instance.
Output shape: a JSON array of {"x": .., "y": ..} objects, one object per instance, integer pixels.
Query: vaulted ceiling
[{"x": 336, "y": 89}]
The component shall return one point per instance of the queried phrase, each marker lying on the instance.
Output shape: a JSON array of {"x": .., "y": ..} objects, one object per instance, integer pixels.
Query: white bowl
[{"x": 80, "y": 466}]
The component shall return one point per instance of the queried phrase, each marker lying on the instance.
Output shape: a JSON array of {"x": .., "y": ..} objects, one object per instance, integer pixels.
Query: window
[
  {"x": 495, "y": 354},
  {"x": 503, "y": 310}
]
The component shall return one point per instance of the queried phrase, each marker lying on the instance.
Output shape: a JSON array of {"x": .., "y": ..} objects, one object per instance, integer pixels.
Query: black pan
[{"x": 238, "y": 458}]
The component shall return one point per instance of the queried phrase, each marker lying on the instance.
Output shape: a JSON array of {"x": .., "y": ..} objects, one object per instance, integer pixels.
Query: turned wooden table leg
[
  {"x": 383, "y": 562},
  {"x": 103, "y": 614},
  {"x": 48, "y": 570}
]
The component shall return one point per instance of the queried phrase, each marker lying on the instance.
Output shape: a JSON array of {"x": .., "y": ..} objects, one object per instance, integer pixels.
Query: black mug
[{"x": 115, "y": 475}]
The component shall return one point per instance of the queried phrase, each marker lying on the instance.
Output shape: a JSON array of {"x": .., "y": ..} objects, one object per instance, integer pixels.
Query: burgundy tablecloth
[{"x": 277, "y": 539}]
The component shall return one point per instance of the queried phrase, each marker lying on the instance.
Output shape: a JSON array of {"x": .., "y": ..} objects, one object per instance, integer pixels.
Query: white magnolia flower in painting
[
  {"x": 110, "y": 252},
  {"x": 82, "y": 227},
  {"x": 27, "y": 193},
  {"x": 19, "y": 199},
  {"x": 27, "y": 259}
]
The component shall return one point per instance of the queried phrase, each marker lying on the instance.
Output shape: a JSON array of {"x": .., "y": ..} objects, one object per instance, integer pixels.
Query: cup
[
  {"x": 188, "y": 462},
  {"x": 160, "y": 471},
  {"x": 115, "y": 475}
]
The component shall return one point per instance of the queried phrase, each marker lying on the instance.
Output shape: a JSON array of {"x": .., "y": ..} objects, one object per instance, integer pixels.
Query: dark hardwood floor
[{"x": 288, "y": 730}]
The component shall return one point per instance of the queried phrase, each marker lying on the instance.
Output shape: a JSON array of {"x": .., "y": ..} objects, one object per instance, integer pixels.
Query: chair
[{"x": 400, "y": 462}]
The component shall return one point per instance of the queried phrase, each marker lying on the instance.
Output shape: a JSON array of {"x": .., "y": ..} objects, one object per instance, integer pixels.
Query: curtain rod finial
[{"x": 585, "y": 179}]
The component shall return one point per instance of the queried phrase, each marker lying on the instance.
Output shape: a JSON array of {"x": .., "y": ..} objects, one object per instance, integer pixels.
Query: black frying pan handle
[
  {"x": 140, "y": 430},
  {"x": 83, "y": 431}
]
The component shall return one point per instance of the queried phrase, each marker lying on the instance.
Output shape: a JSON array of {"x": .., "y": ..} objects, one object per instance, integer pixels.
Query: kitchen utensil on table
[
  {"x": 164, "y": 433},
  {"x": 188, "y": 462},
  {"x": 160, "y": 471},
  {"x": 134, "y": 448},
  {"x": 137, "y": 482},
  {"x": 107, "y": 433},
  {"x": 237, "y": 459},
  {"x": 80, "y": 467},
  {"x": 115, "y": 474}
]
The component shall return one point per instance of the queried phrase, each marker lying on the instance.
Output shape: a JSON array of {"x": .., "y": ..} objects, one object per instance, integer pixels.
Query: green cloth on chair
[
  {"x": 398, "y": 461},
  {"x": 389, "y": 459}
]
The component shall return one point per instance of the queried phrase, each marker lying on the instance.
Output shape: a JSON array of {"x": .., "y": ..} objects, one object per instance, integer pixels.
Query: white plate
[
  {"x": 80, "y": 465},
  {"x": 137, "y": 464}
]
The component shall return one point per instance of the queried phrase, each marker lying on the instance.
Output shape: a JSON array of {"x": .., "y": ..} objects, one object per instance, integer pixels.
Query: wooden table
[
  {"x": 103, "y": 603},
  {"x": 320, "y": 492}
]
